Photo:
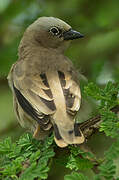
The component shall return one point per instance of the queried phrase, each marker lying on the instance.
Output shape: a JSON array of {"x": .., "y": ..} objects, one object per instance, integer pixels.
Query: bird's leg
[{"x": 36, "y": 132}]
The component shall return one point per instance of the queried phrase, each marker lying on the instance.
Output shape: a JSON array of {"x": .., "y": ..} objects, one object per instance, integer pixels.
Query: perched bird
[{"x": 45, "y": 84}]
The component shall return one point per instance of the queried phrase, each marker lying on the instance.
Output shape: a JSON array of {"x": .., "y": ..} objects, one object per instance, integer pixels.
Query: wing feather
[
  {"x": 71, "y": 92},
  {"x": 35, "y": 98}
]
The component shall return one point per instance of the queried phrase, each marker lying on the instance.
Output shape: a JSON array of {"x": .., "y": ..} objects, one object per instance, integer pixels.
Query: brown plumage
[{"x": 45, "y": 84}]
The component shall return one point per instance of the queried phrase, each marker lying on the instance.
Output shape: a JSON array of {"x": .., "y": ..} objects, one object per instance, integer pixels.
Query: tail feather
[
  {"x": 63, "y": 137},
  {"x": 61, "y": 143}
]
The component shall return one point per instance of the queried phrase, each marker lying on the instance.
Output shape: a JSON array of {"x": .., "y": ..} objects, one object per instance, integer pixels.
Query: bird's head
[{"x": 51, "y": 32}]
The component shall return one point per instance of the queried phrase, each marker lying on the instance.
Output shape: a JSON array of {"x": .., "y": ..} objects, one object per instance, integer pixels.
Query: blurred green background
[{"x": 96, "y": 55}]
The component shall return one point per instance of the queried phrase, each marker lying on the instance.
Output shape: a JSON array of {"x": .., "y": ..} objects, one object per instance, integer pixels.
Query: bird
[{"x": 45, "y": 84}]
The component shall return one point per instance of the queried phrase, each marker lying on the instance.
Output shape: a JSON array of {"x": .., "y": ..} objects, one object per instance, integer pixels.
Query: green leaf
[
  {"x": 77, "y": 160},
  {"x": 75, "y": 150},
  {"x": 109, "y": 123},
  {"x": 28, "y": 157},
  {"x": 107, "y": 169},
  {"x": 106, "y": 96},
  {"x": 93, "y": 90},
  {"x": 13, "y": 168},
  {"x": 77, "y": 163},
  {"x": 6, "y": 146},
  {"x": 35, "y": 156},
  {"x": 35, "y": 171},
  {"x": 75, "y": 176},
  {"x": 113, "y": 151}
]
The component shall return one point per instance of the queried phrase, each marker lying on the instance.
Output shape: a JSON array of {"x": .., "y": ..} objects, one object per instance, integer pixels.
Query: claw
[{"x": 36, "y": 132}]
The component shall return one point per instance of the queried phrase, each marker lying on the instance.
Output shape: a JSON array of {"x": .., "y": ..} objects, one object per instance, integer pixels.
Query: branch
[{"x": 92, "y": 124}]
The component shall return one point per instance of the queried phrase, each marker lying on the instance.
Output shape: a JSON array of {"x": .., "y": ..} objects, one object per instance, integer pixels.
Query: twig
[{"x": 93, "y": 123}]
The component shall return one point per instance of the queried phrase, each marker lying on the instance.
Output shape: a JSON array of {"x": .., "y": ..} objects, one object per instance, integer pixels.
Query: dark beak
[{"x": 71, "y": 34}]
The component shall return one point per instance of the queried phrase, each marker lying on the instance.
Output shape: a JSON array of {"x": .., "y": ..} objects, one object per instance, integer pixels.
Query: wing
[
  {"x": 71, "y": 91},
  {"x": 34, "y": 96},
  {"x": 66, "y": 129}
]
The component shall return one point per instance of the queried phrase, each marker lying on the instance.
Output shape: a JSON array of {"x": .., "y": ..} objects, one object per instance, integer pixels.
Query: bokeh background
[{"x": 96, "y": 55}]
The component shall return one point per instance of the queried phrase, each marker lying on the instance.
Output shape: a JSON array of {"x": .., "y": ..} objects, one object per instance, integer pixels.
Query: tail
[{"x": 68, "y": 135}]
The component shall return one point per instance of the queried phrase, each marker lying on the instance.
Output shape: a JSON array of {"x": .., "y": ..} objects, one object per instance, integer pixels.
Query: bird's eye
[{"x": 55, "y": 31}]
